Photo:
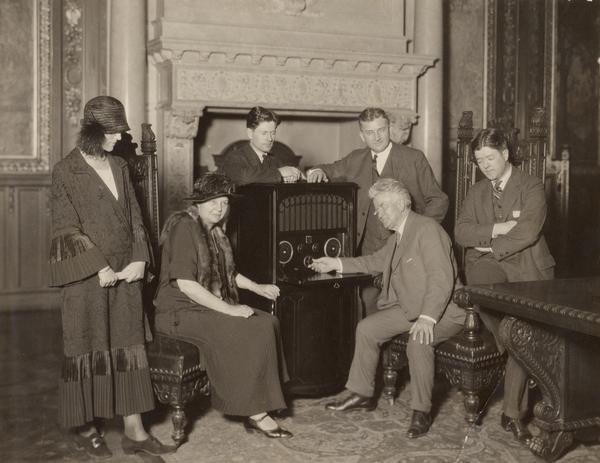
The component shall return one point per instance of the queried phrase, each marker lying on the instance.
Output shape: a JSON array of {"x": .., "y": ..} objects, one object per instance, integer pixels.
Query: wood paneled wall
[{"x": 41, "y": 101}]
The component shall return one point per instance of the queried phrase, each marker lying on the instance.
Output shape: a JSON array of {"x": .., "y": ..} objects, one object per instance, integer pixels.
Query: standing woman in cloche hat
[{"x": 98, "y": 256}]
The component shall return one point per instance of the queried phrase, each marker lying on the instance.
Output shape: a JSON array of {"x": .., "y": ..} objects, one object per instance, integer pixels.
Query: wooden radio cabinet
[{"x": 276, "y": 231}]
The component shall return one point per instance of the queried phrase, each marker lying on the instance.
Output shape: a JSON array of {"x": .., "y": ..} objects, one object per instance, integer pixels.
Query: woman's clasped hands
[{"x": 132, "y": 272}]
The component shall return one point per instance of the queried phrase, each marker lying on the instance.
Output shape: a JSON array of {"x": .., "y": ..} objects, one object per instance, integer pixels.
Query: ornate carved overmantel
[{"x": 231, "y": 58}]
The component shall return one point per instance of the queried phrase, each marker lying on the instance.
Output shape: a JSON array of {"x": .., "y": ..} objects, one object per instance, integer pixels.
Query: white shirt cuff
[{"x": 427, "y": 317}]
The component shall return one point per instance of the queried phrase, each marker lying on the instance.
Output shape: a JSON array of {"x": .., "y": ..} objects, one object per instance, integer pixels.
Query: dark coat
[
  {"x": 243, "y": 166},
  {"x": 522, "y": 253},
  {"x": 407, "y": 165},
  {"x": 90, "y": 230}
]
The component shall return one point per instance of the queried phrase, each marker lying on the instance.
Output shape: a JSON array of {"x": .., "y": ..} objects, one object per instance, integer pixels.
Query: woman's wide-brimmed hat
[{"x": 210, "y": 186}]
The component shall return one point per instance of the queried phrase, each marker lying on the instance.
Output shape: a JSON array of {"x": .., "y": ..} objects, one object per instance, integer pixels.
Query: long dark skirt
[
  {"x": 105, "y": 369},
  {"x": 243, "y": 356}
]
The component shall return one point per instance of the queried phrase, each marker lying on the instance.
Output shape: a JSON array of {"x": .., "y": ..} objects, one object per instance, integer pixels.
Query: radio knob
[
  {"x": 307, "y": 261},
  {"x": 315, "y": 248}
]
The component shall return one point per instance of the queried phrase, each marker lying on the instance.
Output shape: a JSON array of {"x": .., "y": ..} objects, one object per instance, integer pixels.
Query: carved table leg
[
  {"x": 551, "y": 445},
  {"x": 179, "y": 421},
  {"x": 542, "y": 354}
]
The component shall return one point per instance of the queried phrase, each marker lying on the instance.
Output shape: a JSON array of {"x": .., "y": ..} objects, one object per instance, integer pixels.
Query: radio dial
[
  {"x": 333, "y": 247},
  {"x": 286, "y": 252},
  {"x": 315, "y": 247}
]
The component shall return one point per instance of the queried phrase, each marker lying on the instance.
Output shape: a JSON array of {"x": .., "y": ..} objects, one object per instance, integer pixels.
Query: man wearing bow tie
[
  {"x": 252, "y": 163},
  {"x": 419, "y": 277},
  {"x": 500, "y": 226}
]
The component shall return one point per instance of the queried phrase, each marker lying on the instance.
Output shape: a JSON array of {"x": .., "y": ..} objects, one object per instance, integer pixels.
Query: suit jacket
[
  {"x": 522, "y": 253},
  {"x": 243, "y": 166},
  {"x": 407, "y": 165},
  {"x": 419, "y": 273}
]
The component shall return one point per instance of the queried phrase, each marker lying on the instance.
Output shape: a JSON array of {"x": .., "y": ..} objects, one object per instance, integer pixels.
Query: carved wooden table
[{"x": 552, "y": 328}]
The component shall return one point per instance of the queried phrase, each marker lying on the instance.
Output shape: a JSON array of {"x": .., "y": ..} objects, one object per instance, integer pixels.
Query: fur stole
[{"x": 211, "y": 246}]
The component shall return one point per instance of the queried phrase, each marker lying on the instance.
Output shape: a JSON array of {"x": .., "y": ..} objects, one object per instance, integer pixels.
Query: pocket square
[
  {"x": 409, "y": 259},
  {"x": 516, "y": 214}
]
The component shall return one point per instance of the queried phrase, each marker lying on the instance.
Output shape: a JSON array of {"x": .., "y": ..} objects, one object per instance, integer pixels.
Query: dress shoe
[
  {"x": 419, "y": 424},
  {"x": 151, "y": 446},
  {"x": 94, "y": 445},
  {"x": 252, "y": 425},
  {"x": 353, "y": 402},
  {"x": 517, "y": 427}
]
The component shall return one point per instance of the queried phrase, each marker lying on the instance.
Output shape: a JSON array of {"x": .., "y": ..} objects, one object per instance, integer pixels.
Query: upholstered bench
[{"x": 177, "y": 377}]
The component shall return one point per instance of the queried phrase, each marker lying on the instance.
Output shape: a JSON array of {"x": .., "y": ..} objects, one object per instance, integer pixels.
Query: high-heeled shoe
[{"x": 252, "y": 425}]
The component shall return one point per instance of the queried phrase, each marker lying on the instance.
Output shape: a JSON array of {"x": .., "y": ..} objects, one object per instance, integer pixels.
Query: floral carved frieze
[{"x": 291, "y": 90}]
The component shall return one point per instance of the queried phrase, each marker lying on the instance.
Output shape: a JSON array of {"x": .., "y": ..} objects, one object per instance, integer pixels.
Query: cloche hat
[{"x": 106, "y": 111}]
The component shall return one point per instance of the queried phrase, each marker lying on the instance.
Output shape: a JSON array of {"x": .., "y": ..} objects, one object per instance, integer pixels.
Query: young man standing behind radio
[
  {"x": 252, "y": 163},
  {"x": 382, "y": 158}
]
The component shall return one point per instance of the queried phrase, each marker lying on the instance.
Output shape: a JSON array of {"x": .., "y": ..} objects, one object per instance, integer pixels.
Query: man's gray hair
[{"x": 390, "y": 185}]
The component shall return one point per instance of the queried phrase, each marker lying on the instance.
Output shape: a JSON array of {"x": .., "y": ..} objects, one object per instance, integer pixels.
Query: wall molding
[{"x": 39, "y": 161}]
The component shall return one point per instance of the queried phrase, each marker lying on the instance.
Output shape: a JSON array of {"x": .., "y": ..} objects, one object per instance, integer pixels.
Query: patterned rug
[
  {"x": 29, "y": 365},
  {"x": 358, "y": 436}
]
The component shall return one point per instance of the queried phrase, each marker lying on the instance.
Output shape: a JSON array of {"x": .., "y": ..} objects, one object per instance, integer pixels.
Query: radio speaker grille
[{"x": 313, "y": 211}]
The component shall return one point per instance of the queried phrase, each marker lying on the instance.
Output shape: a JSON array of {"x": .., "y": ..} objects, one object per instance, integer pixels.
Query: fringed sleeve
[{"x": 73, "y": 256}]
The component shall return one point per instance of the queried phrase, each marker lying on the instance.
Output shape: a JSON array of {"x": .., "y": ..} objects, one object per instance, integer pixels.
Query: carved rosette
[{"x": 542, "y": 353}]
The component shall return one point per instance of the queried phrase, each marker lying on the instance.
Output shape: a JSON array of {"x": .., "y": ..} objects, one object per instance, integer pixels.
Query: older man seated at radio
[{"x": 419, "y": 277}]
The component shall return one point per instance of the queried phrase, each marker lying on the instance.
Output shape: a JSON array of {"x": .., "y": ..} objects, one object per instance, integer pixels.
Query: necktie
[
  {"x": 374, "y": 166},
  {"x": 497, "y": 189},
  {"x": 396, "y": 244}
]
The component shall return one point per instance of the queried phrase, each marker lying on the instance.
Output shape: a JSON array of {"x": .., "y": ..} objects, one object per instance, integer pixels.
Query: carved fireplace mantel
[{"x": 294, "y": 60}]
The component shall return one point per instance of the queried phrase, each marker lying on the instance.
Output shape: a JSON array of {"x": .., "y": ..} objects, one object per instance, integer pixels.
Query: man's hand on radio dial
[
  {"x": 316, "y": 176},
  {"x": 325, "y": 264},
  {"x": 268, "y": 291},
  {"x": 290, "y": 174}
]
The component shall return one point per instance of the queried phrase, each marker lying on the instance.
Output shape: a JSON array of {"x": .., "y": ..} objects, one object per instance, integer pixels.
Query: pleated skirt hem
[{"x": 124, "y": 393}]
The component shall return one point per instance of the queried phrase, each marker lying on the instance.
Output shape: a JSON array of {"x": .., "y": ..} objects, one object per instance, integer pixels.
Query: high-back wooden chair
[
  {"x": 470, "y": 360},
  {"x": 176, "y": 369}
]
